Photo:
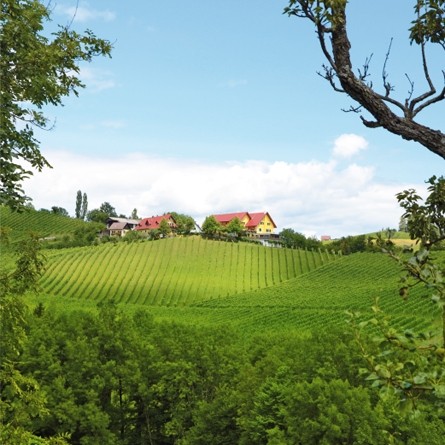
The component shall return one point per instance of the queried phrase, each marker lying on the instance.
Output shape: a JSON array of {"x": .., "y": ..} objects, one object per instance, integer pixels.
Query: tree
[
  {"x": 235, "y": 227},
  {"x": 97, "y": 216},
  {"x": 107, "y": 208},
  {"x": 134, "y": 214},
  {"x": 59, "y": 211},
  {"x": 36, "y": 69},
  {"x": 84, "y": 210},
  {"x": 78, "y": 210},
  {"x": 211, "y": 226},
  {"x": 396, "y": 116},
  {"x": 22, "y": 399},
  {"x": 102, "y": 213},
  {"x": 164, "y": 228},
  {"x": 184, "y": 223}
]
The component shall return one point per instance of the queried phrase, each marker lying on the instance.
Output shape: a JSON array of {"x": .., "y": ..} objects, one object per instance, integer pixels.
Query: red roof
[
  {"x": 256, "y": 219},
  {"x": 225, "y": 218},
  {"x": 153, "y": 222}
]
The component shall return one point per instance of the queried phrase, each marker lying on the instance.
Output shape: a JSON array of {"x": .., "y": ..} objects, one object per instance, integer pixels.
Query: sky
[{"x": 210, "y": 107}]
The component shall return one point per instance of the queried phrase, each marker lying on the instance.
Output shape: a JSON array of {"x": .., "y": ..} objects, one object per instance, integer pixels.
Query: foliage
[
  {"x": 116, "y": 378},
  {"x": 185, "y": 224},
  {"x": 78, "y": 209},
  {"x": 211, "y": 226},
  {"x": 22, "y": 400},
  {"x": 350, "y": 244},
  {"x": 410, "y": 363},
  {"x": 36, "y": 70},
  {"x": 164, "y": 228},
  {"x": 291, "y": 238},
  {"x": 59, "y": 211},
  {"x": 395, "y": 115},
  {"x": 81, "y": 209},
  {"x": 100, "y": 215},
  {"x": 235, "y": 228}
]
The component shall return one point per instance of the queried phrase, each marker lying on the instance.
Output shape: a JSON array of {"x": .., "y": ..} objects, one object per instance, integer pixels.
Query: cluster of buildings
[{"x": 258, "y": 225}]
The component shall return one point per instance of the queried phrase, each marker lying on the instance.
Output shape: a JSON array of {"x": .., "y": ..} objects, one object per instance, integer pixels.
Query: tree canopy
[
  {"x": 394, "y": 115},
  {"x": 36, "y": 69}
]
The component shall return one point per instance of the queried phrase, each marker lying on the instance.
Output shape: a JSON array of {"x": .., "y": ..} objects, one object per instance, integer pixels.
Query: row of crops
[
  {"x": 322, "y": 297},
  {"x": 174, "y": 271},
  {"x": 43, "y": 223}
]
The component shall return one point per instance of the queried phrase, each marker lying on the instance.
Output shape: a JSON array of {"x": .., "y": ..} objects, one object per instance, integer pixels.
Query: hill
[
  {"x": 173, "y": 271},
  {"x": 44, "y": 224}
]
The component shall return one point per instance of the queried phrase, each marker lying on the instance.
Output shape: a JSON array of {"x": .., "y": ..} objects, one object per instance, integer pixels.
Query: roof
[
  {"x": 118, "y": 226},
  {"x": 253, "y": 221},
  {"x": 113, "y": 219},
  {"x": 153, "y": 222},
  {"x": 224, "y": 218},
  {"x": 257, "y": 217}
]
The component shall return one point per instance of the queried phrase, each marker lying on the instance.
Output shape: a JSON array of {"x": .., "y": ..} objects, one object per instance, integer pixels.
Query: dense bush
[{"x": 119, "y": 379}]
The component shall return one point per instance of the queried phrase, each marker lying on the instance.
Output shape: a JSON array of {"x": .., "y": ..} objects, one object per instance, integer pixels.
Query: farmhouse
[
  {"x": 256, "y": 224},
  {"x": 120, "y": 226},
  {"x": 148, "y": 224}
]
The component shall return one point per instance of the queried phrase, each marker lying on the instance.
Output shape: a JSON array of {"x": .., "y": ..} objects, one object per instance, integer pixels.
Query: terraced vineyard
[{"x": 173, "y": 272}]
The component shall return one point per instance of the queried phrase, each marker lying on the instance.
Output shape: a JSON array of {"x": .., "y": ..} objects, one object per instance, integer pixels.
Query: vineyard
[
  {"x": 255, "y": 288},
  {"x": 44, "y": 224},
  {"x": 174, "y": 271},
  {"x": 205, "y": 282}
]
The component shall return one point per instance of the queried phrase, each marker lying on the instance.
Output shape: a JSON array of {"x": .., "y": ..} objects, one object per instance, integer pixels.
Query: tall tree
[
  {"x": 84, "y": 210},
  {"x": 78, "y": 209},
  {"x": 394, "y": 115},
  {"x": 134, "y": 214},
  {"x": 36, "y": 69}
]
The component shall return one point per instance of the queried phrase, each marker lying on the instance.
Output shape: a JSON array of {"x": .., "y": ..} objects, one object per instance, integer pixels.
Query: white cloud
[
  {"x": 347, "y": 145},
  {"x": 84, "y": 13},
  {"x": 316, "y": 198},
  {"x": 96, "y": 80}
]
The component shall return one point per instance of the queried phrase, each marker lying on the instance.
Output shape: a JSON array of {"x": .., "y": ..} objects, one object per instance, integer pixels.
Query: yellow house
[{"x": 255, "y": 223}]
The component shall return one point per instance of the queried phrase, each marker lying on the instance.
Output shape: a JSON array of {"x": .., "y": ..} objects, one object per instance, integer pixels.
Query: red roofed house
[
  {"x": 147, "y": 224},
  {"x": 255, "y": 223}
]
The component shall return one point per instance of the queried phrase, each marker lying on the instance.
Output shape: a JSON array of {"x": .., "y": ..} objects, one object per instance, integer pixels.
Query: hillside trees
[
  {"x": 36, "y": 69},
  {"x": 397, "y": 116},
  {"x": 101, "y": 214},
  {"x": 291, "y": 238},
  {"x": 22, "y": 400}
]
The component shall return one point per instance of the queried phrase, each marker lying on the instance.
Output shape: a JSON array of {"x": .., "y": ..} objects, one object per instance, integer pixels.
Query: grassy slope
[
  {"x": 172, "y": 272},
  {"x": 203, "y": 282},
  {"x": 43, "y": 223}
]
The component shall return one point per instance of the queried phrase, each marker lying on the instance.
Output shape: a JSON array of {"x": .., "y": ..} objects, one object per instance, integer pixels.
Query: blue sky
[{"x": 209, "y": 107}]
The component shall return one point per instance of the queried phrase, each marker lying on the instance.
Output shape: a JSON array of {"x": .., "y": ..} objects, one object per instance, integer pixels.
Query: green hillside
[
  {"x": 44, "y": 224},
  {"x": 174, "y": 271}
]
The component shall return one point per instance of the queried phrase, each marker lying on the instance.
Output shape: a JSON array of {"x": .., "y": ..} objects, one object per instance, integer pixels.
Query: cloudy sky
[{"x": 211, "y": 107}]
